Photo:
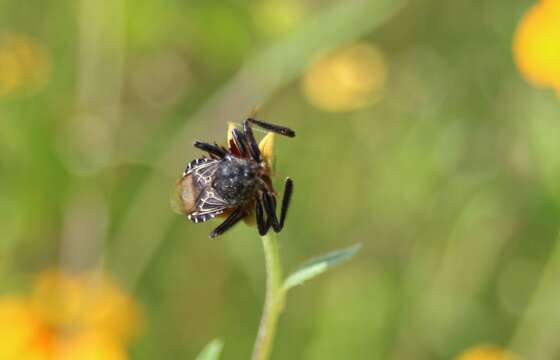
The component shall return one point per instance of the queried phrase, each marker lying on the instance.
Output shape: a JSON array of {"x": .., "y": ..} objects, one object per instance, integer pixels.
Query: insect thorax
[{"x": 236, "y": 179}]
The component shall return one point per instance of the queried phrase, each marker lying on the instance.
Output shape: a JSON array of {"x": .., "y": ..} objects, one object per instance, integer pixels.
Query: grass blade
[
  {"x": 319, "y": 265},
  {"x": 211, "y": 351}
]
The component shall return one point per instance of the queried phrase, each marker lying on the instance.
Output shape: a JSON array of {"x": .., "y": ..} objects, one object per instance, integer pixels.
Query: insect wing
[
  {"x": 202, "y": 169},
  {"x": 209, "y": 204}
]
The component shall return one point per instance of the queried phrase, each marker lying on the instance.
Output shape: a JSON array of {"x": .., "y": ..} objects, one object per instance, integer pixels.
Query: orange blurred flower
[
  {"x": 68, "y": 317},
  {"x": 346, "y": 79},
  {"x": 536, "y": 44},
  {"x": 24, "y": 64},
  {"x": 486, "y": 352}
]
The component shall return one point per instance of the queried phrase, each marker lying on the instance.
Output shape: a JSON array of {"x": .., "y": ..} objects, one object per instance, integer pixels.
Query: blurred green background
[{"x": 416, "y": 136}]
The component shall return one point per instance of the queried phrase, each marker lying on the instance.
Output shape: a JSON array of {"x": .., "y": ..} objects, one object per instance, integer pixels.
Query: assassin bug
[{"x": 234, "y": 181}]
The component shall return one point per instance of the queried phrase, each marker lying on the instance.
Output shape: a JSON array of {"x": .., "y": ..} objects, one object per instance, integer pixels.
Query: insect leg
[
  {"x": 240, "y": 141},
  {"x": 270, "y": 208},
  {"x": 261, "y": 222},
  {"x": 253, "y": 146},
  {"x": 282, "y": 130},
  {"x": 209, "y": 148},
  {"x": 288, "y": 189},
  {"x": 231, "y": 220}
]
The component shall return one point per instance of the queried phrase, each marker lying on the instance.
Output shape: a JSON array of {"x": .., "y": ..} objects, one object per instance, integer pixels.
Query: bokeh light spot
[
  {"x": 346, "y": 79},
  {"x": 486, "y": 352},
  {"x": 275, "y": 18},
  {"x": 24, "y": 64}
]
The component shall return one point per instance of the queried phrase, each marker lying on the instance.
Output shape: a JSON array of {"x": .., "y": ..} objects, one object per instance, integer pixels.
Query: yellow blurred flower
[
  {"x": 536, "y": 44},
  {"x": 346, "y": 79},
  {"x": 24, "y": 64},
  {"x": 78, "y": 317},
  {"x": 486, "y": 352}
]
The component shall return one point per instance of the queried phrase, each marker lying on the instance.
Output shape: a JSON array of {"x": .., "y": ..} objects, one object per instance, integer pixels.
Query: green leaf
[
  {"x": 319, "y": 265},
  {"x": 211, "y": 351}
]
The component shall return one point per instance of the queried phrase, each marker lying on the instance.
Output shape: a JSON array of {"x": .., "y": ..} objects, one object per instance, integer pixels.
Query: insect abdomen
[{"x": 186, "y": 194}]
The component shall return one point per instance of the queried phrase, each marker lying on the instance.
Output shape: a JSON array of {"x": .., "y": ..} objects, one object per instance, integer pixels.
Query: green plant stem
[{"x": 274, "y": 298}]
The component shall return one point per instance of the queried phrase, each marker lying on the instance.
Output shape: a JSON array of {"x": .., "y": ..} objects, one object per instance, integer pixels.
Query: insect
[{"x": 234, "y": 181}]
